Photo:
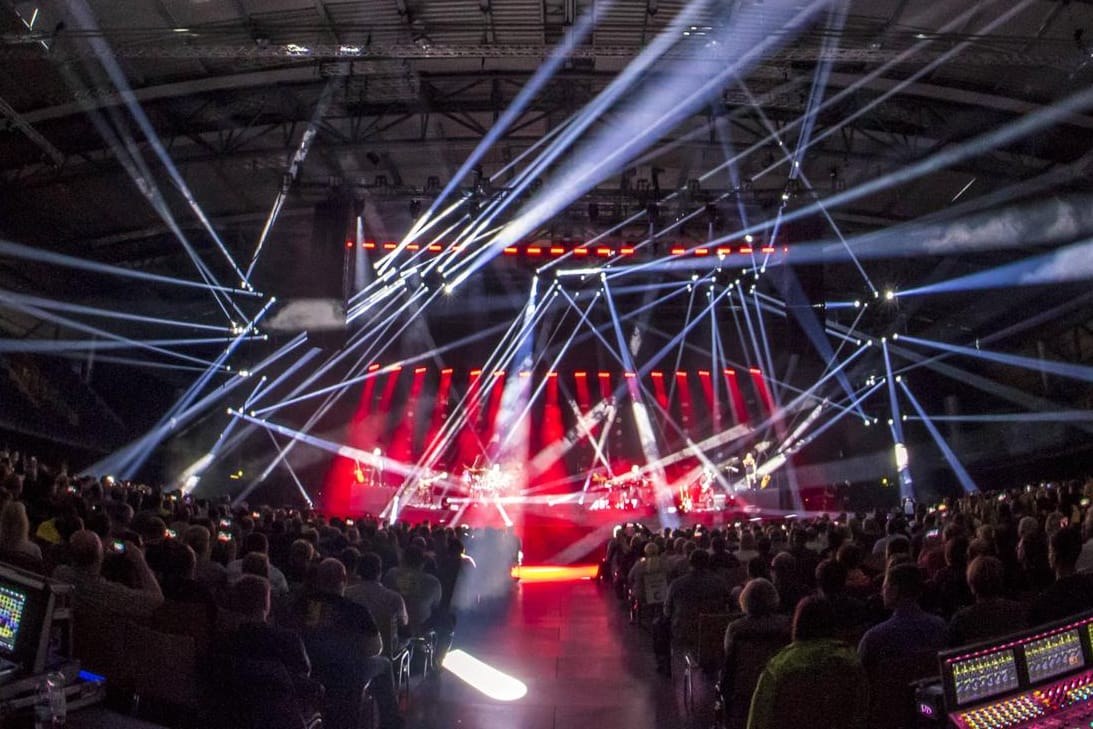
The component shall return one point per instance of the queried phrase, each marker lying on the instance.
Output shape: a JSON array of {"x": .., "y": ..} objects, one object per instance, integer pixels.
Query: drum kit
[{"x": 631, "y": 490}]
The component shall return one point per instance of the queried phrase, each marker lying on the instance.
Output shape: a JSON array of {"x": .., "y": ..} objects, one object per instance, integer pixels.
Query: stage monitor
[{"x": 13, "y": 604}]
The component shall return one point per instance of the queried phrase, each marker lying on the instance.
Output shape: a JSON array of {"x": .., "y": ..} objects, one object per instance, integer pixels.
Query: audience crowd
[
  {"x": 288, "y": 614},
  {"x": 824, "y": 621}
]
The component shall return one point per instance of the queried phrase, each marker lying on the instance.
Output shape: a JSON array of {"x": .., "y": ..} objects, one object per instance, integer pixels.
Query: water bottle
[{"x": 50, "y": 707}]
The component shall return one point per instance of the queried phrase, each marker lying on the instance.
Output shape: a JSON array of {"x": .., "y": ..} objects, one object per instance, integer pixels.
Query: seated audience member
[
  {"x": 421, "y": 591},
  {"x": 749, "y": 643},
  {"x": 755, "y": 568},
  {"x": 697, "y": 592},
  {"x": 816, "y": 681},
  {"x": 723, "y": 562},
  {"x": 992, "y": 615},
  {"x": 1085, "y": 559},
  {"x": 301, "y": 557},
  {"x": 345, "y": 646},
  {"x": 94, "y": 591},
  {"x": 1072, "y": 592},
  {"x": 649, "y": 578},
  {"x": 387, "y": 606},
  {"x": 850, "y": 556},
  {"x": 790, "y": 590},
  {"x": 910, "y": 630},
  {"x": 256, "y": 542},
  {"x": 209, "y": 573},
  {"x": 15, "y": 544},
  {"x": 805, "y": 558},
  {"x": 270, "y": 684},
  {"x": 850, "y": 613},
  {"x": 950, "y": 586},
  {"x": 1033, "y": 555},
  {"x": 456, "y": 571}
]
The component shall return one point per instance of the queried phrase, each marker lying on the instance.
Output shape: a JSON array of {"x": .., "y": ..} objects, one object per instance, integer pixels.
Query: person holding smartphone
[{"x": 95, "y": 592}]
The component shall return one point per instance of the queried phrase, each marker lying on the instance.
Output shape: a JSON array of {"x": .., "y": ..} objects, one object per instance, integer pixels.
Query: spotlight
[{"x": 889, "y": 295}]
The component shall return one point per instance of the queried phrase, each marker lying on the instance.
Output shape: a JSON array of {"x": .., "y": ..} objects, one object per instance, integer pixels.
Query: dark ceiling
[{"x": 96, "y": 95}]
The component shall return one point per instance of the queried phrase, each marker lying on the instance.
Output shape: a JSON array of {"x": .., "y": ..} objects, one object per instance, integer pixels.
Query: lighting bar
[{"x": 539, "y": 250}]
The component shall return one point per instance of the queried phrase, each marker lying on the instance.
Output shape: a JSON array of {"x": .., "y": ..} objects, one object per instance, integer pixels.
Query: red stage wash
[
  {"x": 551, "y": 432},
  {"x": 402, "y": 441},
  {"x": 440, "y": 407},
  {"x": 469, "y": 447},
  {"x": 341, "y": 481},
  {"x": 739, "y": 407},
  {"x": 686, "y": 407},
  {"x": 712, "y": 405},
  {"x": 761, "y": 387}
]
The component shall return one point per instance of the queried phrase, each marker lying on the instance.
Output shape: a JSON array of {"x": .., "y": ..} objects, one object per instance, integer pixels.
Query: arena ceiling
[{"x": 96, "y": 95}]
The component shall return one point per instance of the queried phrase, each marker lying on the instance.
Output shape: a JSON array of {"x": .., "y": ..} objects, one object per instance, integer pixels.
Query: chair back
[
  {"x": 185, "y": 618},
  {"x": 750, "y": 654},
  {"x": 251, "y": 693},
  {"x": 711, "y": 639},
  {"x": 891, "y": 696}
]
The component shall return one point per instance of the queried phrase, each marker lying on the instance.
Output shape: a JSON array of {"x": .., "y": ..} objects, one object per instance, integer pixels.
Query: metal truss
[{"x": 27, "y": 47}]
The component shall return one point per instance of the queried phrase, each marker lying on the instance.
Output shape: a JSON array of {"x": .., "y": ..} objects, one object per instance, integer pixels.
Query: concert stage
[{"x": 561, "y": 531}]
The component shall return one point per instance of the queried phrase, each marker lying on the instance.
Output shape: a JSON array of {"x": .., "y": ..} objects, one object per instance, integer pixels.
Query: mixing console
[{"x": 1065, "y": 704}]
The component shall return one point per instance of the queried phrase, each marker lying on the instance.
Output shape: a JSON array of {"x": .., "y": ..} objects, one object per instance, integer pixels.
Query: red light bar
[
  {"x": 510, "y": 251},
  {"x": 457, "y": 249},
  {"x": 419, "y": 370},
  {"x": 369, "y": 245},
  {"x": 629, "y": 375},
  {"x": 627, "y": 251},
  {"x": 767, "y": 249},
  {"x": 534, "y": 250},
  {"x": 413, "y": 247},
  {"x": 499, "y": 373},
  {"x": 580, "y": 373},
  {"x": 557, "y": 250},
  {"x": 373, "y": 367},
  {"x": 681, "y": 374},
  {"x": 395, "y": 368},
  {"x": 604, "y": 375},
  {"x": 604, "y": 252},
  {"x": 730, "y": 373},
  {"x": 678, "y": 251},
  {"x": 580, "y": 251},
  {"x": 703, "y": 373},
  {"x": 745, "y": 249},
  {"x": 475, "y": 373},
  {"x": 525, "y": 374},
  {"x": 553, "y": 374},
  {"x": 447, "y": 371},
  {"x": 435, "y": 248},
  {"x": 349, "y": 244},
  {"x": 390, "y": 245},
  {"x": 658, "y": 374},
  {"x": 755, "y": 371},
  {"x": 724, "y": 251},
  {"x": 702, "y": 251}
]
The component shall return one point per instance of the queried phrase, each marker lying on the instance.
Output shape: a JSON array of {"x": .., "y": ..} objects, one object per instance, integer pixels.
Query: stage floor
[{"x": 584, "y": 665}]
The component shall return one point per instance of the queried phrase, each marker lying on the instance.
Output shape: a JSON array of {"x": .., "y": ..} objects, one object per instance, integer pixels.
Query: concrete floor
[{"x": 583, "y": 662}]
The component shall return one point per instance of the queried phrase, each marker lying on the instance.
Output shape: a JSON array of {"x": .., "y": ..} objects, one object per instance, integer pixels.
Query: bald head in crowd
[
  {"x": 330, "y": 577},
  {"x": 86, "y": 550}
]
